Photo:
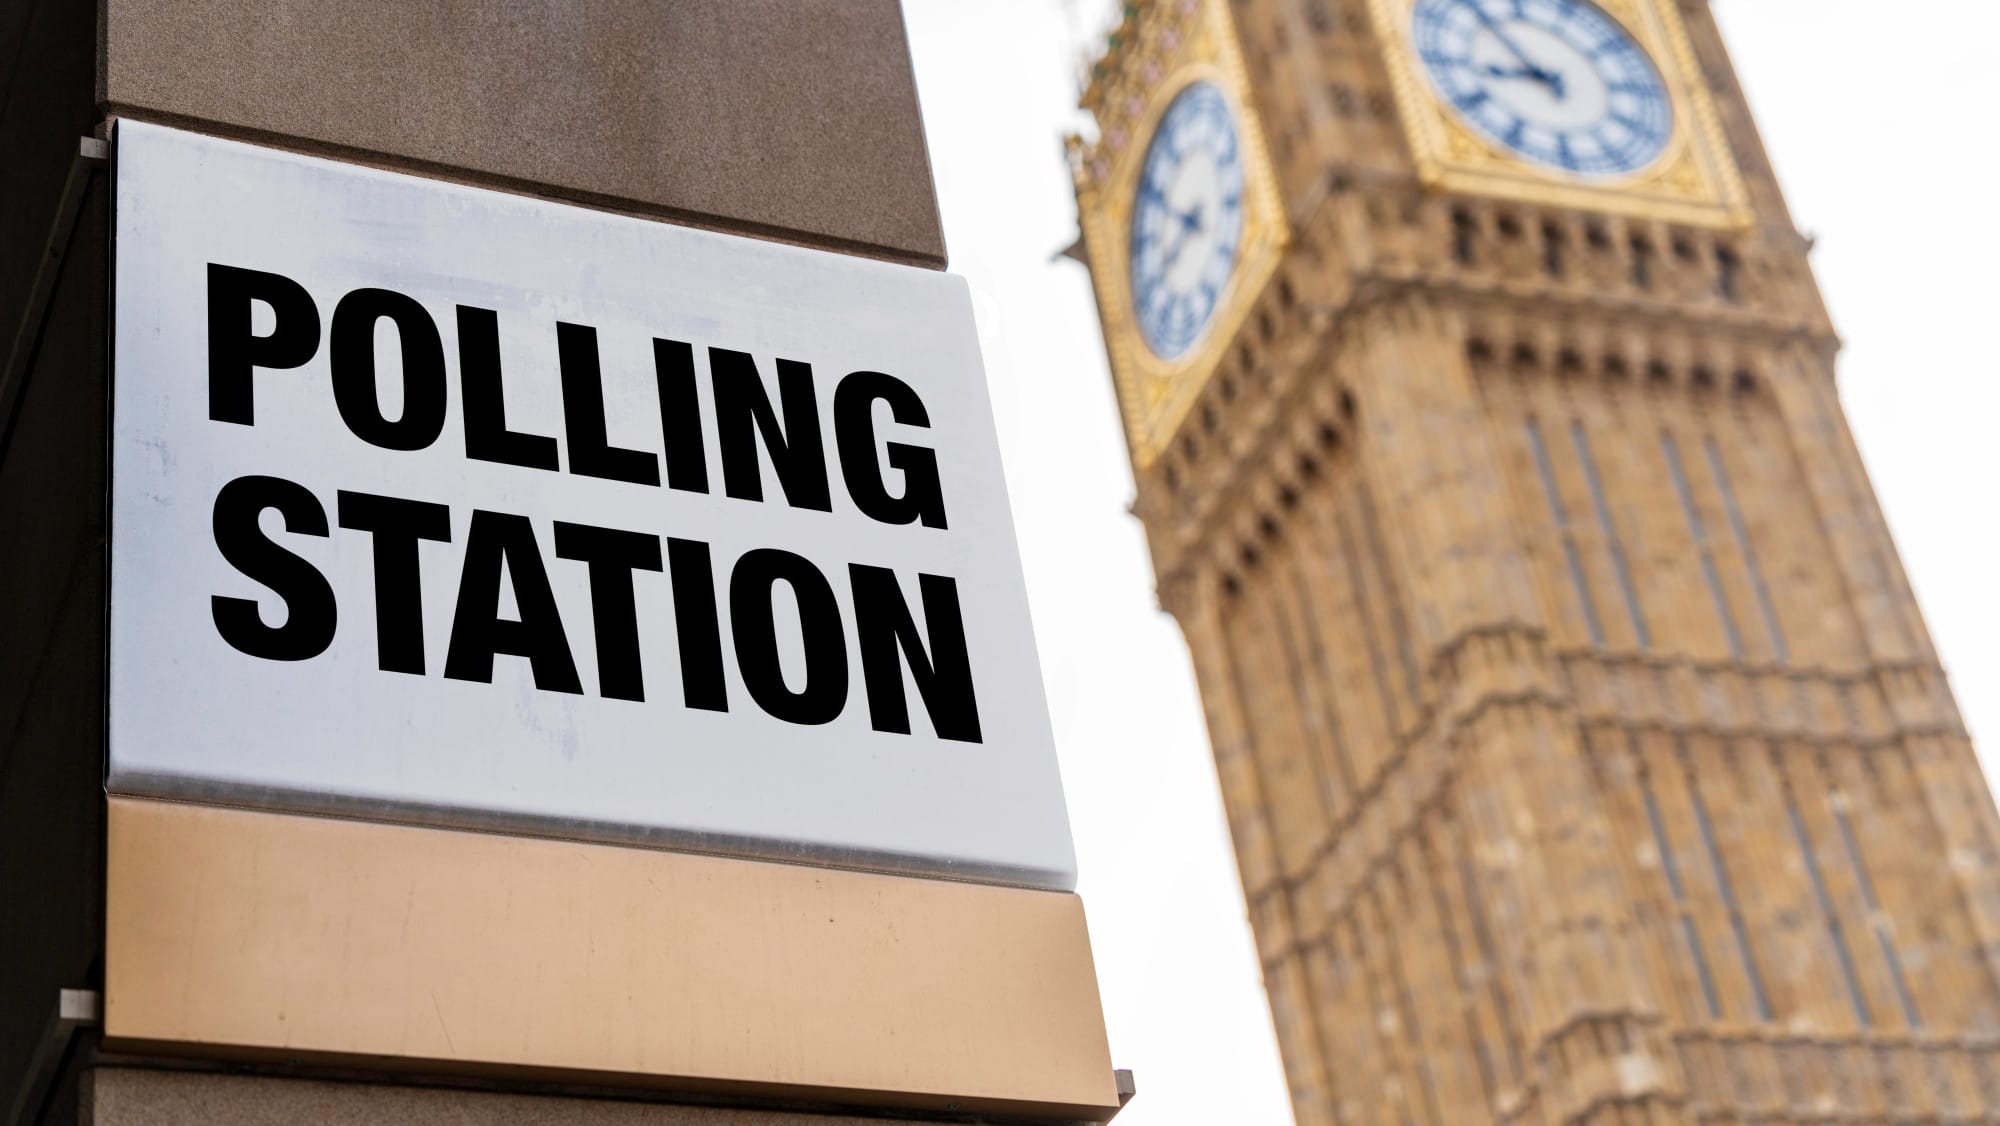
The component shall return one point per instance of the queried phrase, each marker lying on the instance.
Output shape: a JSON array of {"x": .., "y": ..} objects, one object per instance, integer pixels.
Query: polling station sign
[{"x": 445, "y": 505}]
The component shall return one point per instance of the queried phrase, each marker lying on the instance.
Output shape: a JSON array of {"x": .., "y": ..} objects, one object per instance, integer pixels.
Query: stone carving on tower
[{"x": 1586, "y": 756}]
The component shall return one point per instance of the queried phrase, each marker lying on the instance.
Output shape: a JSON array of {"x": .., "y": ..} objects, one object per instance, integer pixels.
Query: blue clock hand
[
  {"x": 1549, "y": 78},
  {"x": 1172, "y": 253},
  {"x": 1529, "y": 67},
  {"x": 1190, "y": 222},
  {"x": 1506, "y": 40}
]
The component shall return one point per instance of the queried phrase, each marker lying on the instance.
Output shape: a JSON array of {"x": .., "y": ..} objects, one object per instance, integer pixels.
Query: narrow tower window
[
  {"x": 1482, "y": 933},
  {"x": 1720, "y": 869},
  {"x": 1577, "y": 578},
  {"x": 1700, "y": 533},
  {"x": 1378, "y": 1027},
  {"x": 1398, "y": 623},
  {"x": 1720, "y": 472},
  {"x": 1325, "y": 760},
  {"x": 1405, "y": 1001},
  {"x": 1329, "y": 710},
  {"x": 1664, "y": 846},
  {"x": 1804, "y": 840},
  {"x": 1352, "y": 558},
  {"x": 1881, "y": 924},
  {"x": 1610, "y": 530},
  {"x": 1458, "y": 957}
]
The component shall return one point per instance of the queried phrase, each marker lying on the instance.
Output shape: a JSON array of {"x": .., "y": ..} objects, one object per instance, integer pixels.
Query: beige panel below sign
[{"x": 256, "y": 935}]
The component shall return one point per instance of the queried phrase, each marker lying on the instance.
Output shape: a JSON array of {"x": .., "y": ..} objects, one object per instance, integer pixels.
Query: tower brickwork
[{"x": 1586, "y": 755}]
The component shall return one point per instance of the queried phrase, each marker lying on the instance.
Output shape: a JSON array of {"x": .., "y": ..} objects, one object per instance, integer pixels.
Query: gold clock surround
[
  {"x": 1155, "y": 394},
  {"x": 1693, "y": 181}
]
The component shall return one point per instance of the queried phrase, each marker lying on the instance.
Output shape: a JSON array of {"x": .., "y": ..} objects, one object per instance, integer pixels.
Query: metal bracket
[{"x": 75, "y": 1008}]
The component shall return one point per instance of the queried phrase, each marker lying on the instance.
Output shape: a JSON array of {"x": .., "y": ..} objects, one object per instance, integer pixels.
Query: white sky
[{"x": 1868, "y": 110}]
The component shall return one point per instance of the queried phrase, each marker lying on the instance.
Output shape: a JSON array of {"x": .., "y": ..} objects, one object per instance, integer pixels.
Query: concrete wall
[{"x": 796, "y": 119}]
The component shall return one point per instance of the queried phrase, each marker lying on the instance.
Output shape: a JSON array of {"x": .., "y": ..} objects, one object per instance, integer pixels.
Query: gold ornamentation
[
  {"x": 1694, "y": 181},
  {"x": 1154, "y": 394}
]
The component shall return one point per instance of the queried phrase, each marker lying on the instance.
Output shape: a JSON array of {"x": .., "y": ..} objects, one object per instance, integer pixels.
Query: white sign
[{"x": 446, "y": 505}]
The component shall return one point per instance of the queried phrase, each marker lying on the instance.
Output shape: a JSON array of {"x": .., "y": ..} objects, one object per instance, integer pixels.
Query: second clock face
[
  {"x": 1557, "y": 81},
  {"x": 1187, "y": 220}
]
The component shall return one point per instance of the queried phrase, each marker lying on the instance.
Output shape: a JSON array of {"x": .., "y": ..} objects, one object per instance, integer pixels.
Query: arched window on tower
[
  {"x": 1727, "y": 267},
  {"x": 1463, "y": 229},
  {"x": 1642, "y": 262}
]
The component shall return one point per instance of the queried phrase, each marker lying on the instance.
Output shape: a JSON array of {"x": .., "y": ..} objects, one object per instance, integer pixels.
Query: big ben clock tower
[{"x": 1586, "y": 756}]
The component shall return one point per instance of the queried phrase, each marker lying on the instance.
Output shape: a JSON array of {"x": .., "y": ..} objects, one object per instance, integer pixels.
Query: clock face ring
[
  {"x": 1187, "y": 219},
  {"x": 1557, "y": 82}
]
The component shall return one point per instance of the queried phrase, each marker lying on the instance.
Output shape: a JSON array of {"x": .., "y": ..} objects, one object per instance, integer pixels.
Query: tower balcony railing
[
  {"x": 1757, "y": 1075},
  {"x": 1773, "y": 1077},
  {"x": 1726, "y": 697},
  {"x": 1522, "y": 249}
]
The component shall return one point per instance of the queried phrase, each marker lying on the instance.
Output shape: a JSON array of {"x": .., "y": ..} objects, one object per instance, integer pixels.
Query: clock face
[
  {"x": 1557, "y": 81},
  {"x": 1187, "y": 220}
]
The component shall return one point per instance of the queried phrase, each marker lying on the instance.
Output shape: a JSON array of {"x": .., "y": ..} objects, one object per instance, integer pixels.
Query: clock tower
[{"x": 1586, "y": 756}]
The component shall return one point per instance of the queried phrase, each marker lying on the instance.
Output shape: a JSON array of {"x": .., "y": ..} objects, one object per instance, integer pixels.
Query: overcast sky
[{"x": 1869, "y": 111}]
